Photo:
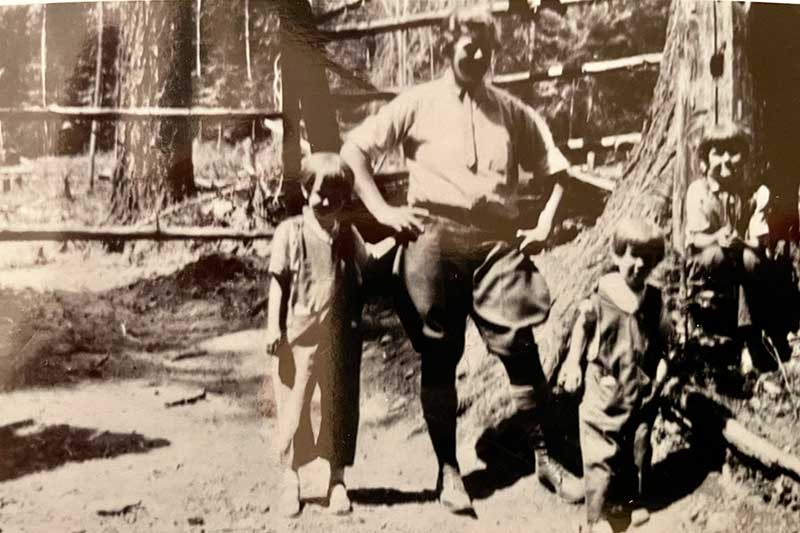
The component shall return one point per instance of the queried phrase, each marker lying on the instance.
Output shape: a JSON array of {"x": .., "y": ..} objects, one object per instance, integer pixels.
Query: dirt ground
[{"x": 94, "y": 356}]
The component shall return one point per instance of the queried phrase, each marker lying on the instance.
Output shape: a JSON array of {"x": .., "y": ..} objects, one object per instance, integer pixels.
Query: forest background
[{"x": 222, "y": 76}]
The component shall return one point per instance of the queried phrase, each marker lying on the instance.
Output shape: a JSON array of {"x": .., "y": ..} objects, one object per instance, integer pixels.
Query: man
[{"x": 464, "y": 141}]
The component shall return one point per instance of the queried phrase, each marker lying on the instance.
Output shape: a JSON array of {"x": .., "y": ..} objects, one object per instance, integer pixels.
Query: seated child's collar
[
  {"x": 713, "y": 185},
  {"x": 613, "y": 287},
  {"x": 319, "y": 231}
]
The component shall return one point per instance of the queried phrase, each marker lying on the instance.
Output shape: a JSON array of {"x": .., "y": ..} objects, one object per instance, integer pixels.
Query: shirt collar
[
  {"x": 716, "y": 188},
  {"x": 614, "y": 288},
  {"x": 477, "y": 94},
  {"x": 713, "y": 185},
  {"x": 314, "y": 225}
]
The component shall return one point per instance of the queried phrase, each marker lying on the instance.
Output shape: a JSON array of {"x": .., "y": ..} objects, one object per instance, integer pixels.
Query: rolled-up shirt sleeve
[
  {"x": 536, "y": 150},
  {"x": 387, "y": 128}
]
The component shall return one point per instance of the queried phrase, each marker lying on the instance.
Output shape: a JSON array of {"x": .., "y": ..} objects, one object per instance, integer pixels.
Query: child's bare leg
[{"x": 293, "y": 384}]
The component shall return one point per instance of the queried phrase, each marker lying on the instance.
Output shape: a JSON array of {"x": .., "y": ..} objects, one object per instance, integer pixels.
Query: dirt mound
[
  {"x": 212, "y": 270},
  {"x": 215, "y": 287},
  {"x": 64, "y": 337}
]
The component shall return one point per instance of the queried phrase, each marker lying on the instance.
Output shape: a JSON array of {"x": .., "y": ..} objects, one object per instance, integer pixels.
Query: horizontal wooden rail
[
  {"x": 417, "y": 20},
  {"x": 590, "y": 68},
  {"x": 140, "y": 113},
  {"x": 124, "y": 233},
  {"x": 609, "y": 141},
  {"x": 372, "y": 93}
]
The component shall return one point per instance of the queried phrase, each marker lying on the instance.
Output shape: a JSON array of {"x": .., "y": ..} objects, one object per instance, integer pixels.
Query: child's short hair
[
  {"x": 475, "y": 18},
  {"x": 643, "y": 237},
  {"x": 326, "y": 166},
  {"x": 727, "y": 135}
]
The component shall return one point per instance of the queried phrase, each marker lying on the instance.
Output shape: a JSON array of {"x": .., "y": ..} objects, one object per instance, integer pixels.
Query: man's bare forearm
[
  {"x": 548, "y": 214},
  {"x": 365, "y": 185}
]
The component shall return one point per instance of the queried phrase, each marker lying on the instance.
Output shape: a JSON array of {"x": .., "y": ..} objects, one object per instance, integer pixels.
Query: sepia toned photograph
[{"x": 399, "y": 265}]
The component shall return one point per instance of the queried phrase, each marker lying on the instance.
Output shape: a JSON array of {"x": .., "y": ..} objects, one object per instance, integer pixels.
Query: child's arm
[
  {"x": 276, "y": 307},
  {"x": 278, "y": 295},
  {"x": 571, "y": 376},
  {"x": 378, "y": 250},
  {"x": 758, "y": 229},
  {"x": 722, "y": 237},
  {"x": 698, "y": 224}
]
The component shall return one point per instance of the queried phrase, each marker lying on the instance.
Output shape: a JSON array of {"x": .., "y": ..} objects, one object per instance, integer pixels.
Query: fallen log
[
  {"x": 190, "y": 353},
  {"x": 124, "y": 233},
  {"x": 708, "y": 417},
  {"x": 135, "y": 113},
  {"x": 188, "y": 400}
]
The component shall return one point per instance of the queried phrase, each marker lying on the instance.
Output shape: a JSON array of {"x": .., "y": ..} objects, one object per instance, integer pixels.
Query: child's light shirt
[
  {"x": 709, "y": 208},
  {"x": 321, "y": 271}
]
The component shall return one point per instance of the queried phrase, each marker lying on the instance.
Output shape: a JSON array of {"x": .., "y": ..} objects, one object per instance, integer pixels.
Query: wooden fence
[{"x": 371, "y": 93}]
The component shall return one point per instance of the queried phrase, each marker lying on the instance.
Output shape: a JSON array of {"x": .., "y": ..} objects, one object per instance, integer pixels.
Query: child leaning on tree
[
  {"x": 313, "y": 328},
  {"x": 729, "y": 247},
  {"x": 621, "y": 337}
]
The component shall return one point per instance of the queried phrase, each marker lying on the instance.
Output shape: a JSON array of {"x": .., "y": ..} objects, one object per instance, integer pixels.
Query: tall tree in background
[
  {"x": 721, "y": 62},
  {"x": 156, "y": 61}
]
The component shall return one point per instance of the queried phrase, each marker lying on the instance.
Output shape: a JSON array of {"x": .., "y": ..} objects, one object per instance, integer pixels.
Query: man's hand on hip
[{"x": 404, "y": 219}]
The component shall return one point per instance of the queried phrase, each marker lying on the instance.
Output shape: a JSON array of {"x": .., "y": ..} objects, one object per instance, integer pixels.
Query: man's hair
[
  {"x": 725, "y": 135},
  {"x": 328, "y": 167},
  {"x": 477, "y": 18},
  {"x": 644, "y": 238}
]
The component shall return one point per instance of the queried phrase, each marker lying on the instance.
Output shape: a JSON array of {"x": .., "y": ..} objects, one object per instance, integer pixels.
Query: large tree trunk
[
  {"x": 687, "y": 96},
  {"x": 306, "y": 94},
  {"x": 155, "y": 164}
]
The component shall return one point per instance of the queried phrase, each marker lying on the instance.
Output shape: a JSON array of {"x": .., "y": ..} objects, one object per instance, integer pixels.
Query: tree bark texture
[
  {"x": 689, "y": 95},
  {"x": 156, "y": 58},
  {"x": 306, "y": 94}
]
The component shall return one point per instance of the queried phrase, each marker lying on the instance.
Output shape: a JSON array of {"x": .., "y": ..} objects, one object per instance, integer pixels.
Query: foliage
[{"x": 600, "y": 105}]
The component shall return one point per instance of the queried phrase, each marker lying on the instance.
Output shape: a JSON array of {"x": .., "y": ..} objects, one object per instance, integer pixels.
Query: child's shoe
[
  {"x": 639, "y": 516},
  {"x": 601, "y": 526},
  {"x": 338, "y": 501},
  {"x": 452, "y": 492},
  {"x": 289, "y": 498}
]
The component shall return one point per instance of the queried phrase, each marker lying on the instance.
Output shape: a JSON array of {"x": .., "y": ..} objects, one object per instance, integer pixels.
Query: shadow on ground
[
  {"x": 384, "y": 496},
  {"x": 506, "y": 449},
  {"x": 46, "y": 448}
]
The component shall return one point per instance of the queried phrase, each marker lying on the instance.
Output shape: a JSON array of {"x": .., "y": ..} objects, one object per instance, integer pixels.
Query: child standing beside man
[
  {"x": 620, "y": 337},
  {"x": 313, "y": 329}
]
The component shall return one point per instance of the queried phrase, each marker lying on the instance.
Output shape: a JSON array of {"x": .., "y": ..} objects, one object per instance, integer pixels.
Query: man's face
[
  {"x": 724, "y": 164},
  {"x": 472, "y": 55}
]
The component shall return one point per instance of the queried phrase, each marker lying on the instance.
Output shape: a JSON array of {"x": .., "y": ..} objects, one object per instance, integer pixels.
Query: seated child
[
  {"x": 727, "y": 242},
  {"x": 313, "y": 323},
  {"x": 620, "y": 330}
]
